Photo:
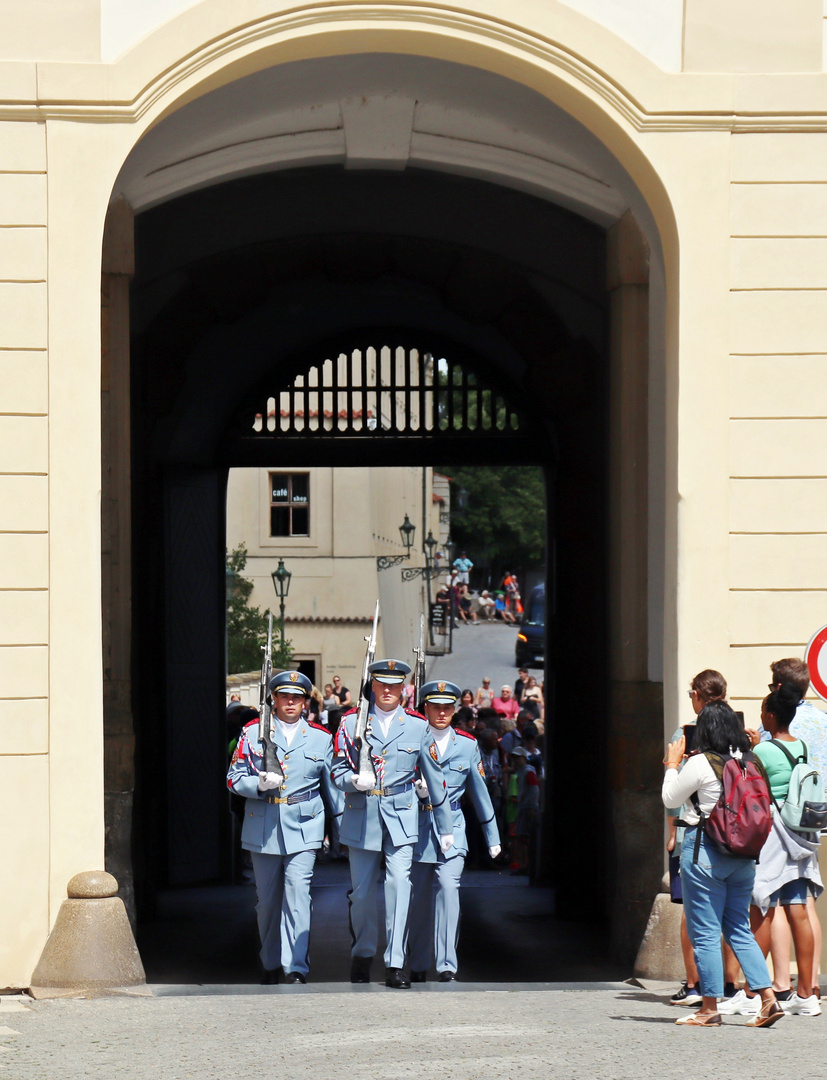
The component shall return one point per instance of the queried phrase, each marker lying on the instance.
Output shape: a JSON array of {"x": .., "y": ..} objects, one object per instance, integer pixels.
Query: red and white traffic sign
[{"x": 816, "y": 658}]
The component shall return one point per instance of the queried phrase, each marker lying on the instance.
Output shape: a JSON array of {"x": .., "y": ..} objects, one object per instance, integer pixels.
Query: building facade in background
[{"x": 334, "y": 528}]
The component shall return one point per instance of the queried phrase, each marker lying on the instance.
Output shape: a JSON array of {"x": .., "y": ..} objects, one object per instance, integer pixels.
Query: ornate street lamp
[
  {"x": 281, "y": 583},
  {"x": 430, "y": 545},
  {"x": 429, "y": 570},
  {"x": 406, "y": 532}
]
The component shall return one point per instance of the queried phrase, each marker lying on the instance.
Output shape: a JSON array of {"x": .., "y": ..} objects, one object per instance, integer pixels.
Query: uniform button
[{"x": 384, "y": 752}]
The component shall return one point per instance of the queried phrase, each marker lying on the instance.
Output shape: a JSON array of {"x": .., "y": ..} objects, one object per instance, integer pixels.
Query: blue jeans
[{"x": 716, "y": 895}]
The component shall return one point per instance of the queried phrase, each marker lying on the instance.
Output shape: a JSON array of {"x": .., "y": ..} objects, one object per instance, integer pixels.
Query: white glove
[
  {"x": 446, "y": 842},
  {"x": 422, "y": 789},
  {"x": 494, "y": 851},
  {"x": 361, "y": 783},
  {"x": 268, "y": 780}
]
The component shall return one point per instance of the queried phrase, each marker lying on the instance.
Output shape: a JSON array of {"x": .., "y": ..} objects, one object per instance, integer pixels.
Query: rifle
[
  {"x": 270, "y": 761},
  {"x": 361, "y": 745},
  {"x": 419, "y": 662}
]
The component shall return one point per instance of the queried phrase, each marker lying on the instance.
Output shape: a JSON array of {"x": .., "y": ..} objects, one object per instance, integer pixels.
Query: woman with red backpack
[{"x": 717, "y": 886}]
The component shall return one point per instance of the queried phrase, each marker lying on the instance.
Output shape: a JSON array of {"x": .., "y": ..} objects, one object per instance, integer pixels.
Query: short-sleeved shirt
[
  {"x": 509, "y": 708},
  {"x": 810, "y": 724},
  {"x": 777, "y": 764}
]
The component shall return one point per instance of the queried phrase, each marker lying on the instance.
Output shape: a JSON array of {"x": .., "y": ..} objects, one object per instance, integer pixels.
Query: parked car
[{"x": 530, "y": 650}]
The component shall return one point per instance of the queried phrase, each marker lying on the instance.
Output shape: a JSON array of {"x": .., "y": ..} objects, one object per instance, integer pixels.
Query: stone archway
[
  {"x": 206, "y": 280},
  {"x": 226, "y": 301}
]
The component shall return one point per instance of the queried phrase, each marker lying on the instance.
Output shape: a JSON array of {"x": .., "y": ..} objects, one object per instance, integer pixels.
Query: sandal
[
  {"x": 767, "y": 1015},
  {"x": 696, "y": 1020}
]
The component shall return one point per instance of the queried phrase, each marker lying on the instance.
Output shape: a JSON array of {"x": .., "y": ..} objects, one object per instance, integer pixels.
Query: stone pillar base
[
  {"x": 91, "y": 947},
  {"x": 660, "y": 958}
]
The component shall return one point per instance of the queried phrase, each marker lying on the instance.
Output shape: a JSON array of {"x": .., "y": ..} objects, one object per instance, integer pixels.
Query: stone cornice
[{"x": 592, "y": 61}]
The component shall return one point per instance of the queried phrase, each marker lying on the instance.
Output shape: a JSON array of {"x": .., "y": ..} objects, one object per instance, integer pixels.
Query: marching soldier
[
  {"x": 436, "y": 924},
  {"x": 284, "y": 823},
  {"x": 384, "y": 819}
]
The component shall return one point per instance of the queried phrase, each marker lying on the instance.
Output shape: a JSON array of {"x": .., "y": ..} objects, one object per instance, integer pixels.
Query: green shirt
[{"x": 777, "y": 764}]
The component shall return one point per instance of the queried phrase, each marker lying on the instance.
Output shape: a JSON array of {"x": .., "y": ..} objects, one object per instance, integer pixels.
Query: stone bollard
[
  {"x": 659, "y": 958},
  {"x": 91, "y": 946}
]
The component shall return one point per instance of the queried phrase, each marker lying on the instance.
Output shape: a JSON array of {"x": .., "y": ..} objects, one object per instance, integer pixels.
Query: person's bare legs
[
  {"x": 692, "y": 977},
  {"x": 815, "y": 923},
  {"x": 761, "y": 926},
  {"x": 731, "y": 966},
  {"x": 803, "y": 940},
  {"x": 781, "y": 941}
]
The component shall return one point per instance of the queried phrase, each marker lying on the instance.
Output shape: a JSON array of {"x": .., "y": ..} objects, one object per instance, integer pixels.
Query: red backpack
[{"x": 740, "y": 821}]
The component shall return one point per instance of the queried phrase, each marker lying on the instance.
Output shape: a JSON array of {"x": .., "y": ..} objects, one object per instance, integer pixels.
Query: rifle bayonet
[
  {"x": 361, "y": 744},
  {"x": 270, "y": 757}
]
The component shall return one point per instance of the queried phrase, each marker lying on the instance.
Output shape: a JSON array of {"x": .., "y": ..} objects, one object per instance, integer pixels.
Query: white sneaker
[
  {"x": 800, "y": 1006},
  {"x": 740, "y": 1004}
]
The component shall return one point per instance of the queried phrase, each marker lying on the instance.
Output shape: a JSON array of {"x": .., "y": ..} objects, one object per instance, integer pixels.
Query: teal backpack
[{"x": 804, "y": 809}]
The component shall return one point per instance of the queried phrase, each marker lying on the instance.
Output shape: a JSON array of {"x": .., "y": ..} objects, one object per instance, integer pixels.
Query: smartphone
[{"x": 689, "y": 733}]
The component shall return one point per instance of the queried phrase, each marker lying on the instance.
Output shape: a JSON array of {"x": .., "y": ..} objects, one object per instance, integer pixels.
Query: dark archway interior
[{"x": 243, "y": 280}]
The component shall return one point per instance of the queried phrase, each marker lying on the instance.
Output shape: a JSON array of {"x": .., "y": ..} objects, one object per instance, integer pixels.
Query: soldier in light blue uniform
[
  {"x": 385, "y": 819},
  {"x": 434, "y": 924},
  {"x": 284, "y": 824}
]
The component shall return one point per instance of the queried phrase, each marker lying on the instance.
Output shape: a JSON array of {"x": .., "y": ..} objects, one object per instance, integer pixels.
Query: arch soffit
[{"x": 589, "y": 76}]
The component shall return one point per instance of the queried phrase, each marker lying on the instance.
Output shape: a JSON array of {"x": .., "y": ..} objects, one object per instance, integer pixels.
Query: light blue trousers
[
  {"x": 364, "y": 920},
  {"x": 716, "y": 895},
  {"x": 284, "y": 908},
  {"x": 434, "y": 922}
]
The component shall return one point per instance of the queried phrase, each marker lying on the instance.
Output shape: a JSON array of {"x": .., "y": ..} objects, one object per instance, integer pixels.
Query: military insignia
[
  {"x": 433, "y": 752},
  {"x": 441, "y": 687},
  {"x": 481, "y": 769},
  {"x": 391, "y": 665},
  {"x": 294, "y": 676},
  {"x": 235, "y": 756}
]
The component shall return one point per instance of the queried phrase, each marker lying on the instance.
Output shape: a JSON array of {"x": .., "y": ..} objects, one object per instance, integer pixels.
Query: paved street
[
  {"x": 486, "y": 649},
  {"x": 606, "y": 1031},
  {"x": 204, "y": 1016}
]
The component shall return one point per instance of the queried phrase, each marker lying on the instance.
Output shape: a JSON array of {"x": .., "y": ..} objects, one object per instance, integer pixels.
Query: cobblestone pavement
[{"x": 607, "y": 1031}]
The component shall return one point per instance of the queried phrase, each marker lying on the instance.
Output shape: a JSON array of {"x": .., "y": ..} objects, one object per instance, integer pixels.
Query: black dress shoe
[
  {"x": 360, "y": 969},
  {"x": 447, "y": 976},
  {"x": 294, "y": 977},
  {"x": 419, "y": 976},
  {"x": 396, "y": 979},
  {"x": 270, "y": 978}
]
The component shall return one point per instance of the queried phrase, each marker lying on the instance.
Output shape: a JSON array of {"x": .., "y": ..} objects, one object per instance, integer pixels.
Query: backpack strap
[
  {"x": 793, "y": 761},
  {"x": 716, "y": 762}
]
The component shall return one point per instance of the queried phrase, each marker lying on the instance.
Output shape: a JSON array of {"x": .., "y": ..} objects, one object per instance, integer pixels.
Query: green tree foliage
[
  {"x": 247, "y": 625},
  {"x": 503, "y": 523}
]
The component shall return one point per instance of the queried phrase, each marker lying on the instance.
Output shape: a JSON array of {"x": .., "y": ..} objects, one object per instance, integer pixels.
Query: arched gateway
[{"x": 255, "y": 262}]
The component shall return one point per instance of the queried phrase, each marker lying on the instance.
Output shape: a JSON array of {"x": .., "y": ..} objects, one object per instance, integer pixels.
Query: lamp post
[
  {"x": 429, "y": 570},
  {"x": 281, "y": 583},
  {"x": 406, "y": 532},
  {"x": 430, "y": 545}
]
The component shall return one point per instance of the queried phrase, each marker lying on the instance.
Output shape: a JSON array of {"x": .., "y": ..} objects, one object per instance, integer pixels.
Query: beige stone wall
[
  {"x": 727, "y": 157},
  {"x": 777, "y": 404},
  {"x": 24, "y": 539}
]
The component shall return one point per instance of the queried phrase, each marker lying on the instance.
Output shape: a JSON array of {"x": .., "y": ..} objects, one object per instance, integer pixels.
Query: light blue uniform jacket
[
  {"x": 462, "y": 770},
  {"x": 396, "y": 758},
  {"x": 284, "y": 828}
]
